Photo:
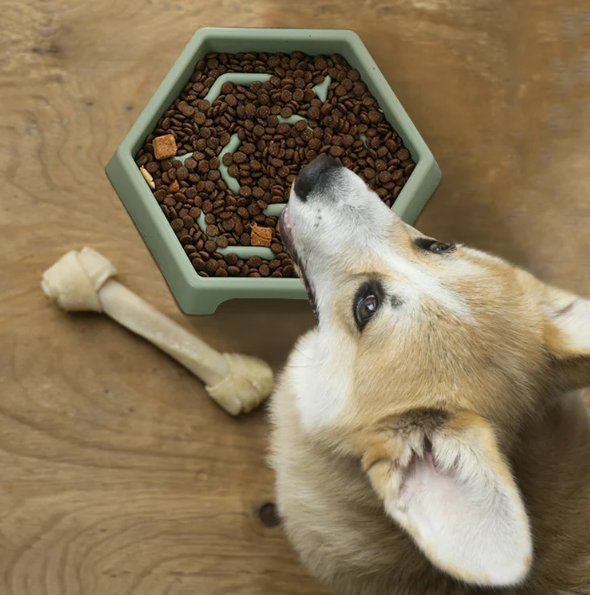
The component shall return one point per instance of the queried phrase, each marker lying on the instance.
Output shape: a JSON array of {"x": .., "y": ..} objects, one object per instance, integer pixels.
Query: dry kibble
[
  {"x": 261, "y": 236},
  {"x": 239, "y": 157},
  {"x": 152, "y": 167},
  {"x": 164, "y": 146},
  {"x": 270, "y": 154},
  {"x": 403, "y": 154},
  {"x": 384, "y": 177},
  {"x": 210, "y": 246},
  {"x": 211, "y": 266},
  {"x": 198, "y": 263}
]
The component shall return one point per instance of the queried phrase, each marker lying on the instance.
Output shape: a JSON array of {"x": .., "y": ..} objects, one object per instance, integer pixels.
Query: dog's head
[{"x": 427, "y": 359}]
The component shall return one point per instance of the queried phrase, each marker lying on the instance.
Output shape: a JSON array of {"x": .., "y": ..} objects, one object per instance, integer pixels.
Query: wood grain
[{"x": 119, "y": 476}]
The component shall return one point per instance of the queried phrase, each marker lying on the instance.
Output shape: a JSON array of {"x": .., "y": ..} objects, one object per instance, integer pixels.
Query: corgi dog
[{"x": 428, "y": 435}]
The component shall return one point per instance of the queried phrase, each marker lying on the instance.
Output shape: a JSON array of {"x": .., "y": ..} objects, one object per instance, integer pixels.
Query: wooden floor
[{"x": 117, "y": 474}]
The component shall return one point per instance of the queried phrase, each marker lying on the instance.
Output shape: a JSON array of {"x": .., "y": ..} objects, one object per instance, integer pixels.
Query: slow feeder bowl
[{"x": 199, "y": 295}]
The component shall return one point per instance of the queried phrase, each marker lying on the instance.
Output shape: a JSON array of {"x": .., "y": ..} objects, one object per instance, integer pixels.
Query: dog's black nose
[{"x": 315, "y": 177}]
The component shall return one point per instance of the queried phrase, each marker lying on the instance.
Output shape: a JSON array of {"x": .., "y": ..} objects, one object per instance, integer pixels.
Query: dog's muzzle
[{"x": 287, "y": 237}]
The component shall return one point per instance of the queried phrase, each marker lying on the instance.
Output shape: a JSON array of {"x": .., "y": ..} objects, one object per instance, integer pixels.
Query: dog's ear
[
  {"x": 567, "y": 334},
  {"x": 444, "y": 480}
]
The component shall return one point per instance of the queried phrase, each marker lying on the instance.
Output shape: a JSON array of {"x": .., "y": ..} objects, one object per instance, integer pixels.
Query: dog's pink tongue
[
  {"x": 285, "y": 227},
  {"x": 285, "y": 218}
]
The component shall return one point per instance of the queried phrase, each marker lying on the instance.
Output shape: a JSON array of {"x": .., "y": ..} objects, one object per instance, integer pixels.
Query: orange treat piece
[
  {"x": 174, "y": 187},
  {"x": 164, "y": 146},
  {"x": 260, "y": 236}
]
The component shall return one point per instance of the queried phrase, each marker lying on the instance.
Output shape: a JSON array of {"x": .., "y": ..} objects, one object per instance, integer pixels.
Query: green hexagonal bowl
[{"x": 199, "y": 295}]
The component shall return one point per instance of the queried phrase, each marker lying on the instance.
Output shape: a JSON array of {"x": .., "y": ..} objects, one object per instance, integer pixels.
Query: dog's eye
[
  {"x": 434, "y": 246},
  {"x": 366, "y": 308},
  {"x": 366, "y": 303},
  {"x": 439, "y": 247}
]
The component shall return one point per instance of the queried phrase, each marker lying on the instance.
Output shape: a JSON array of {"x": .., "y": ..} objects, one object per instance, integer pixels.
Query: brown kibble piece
[
  {"x": 198, "y": 263},
  {"x": 239, "y": 157},
  {"x": 403, "y": 154},
  {"x": 229, "y": 225},
  {"x": 374, "y": 116},
  {"x": 260, "y": 236},
  {"x": 164, "y": 147},
  {"x": 384, "y": 177},
  {"x": 152, "y": 167},
  {"x": 211, "y": 266},
  {"x": 253, "y": 209}
]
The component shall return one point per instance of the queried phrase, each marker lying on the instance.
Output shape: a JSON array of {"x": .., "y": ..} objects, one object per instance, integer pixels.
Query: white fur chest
[{"x": 320, "y": 380}]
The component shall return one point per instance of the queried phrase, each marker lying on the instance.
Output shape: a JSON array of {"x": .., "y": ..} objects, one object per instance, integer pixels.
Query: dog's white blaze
[{"x": 426, "y": 283}]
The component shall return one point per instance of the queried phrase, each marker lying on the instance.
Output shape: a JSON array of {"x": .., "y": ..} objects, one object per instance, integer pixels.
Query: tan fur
[{"x": 508, "y": 365}]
